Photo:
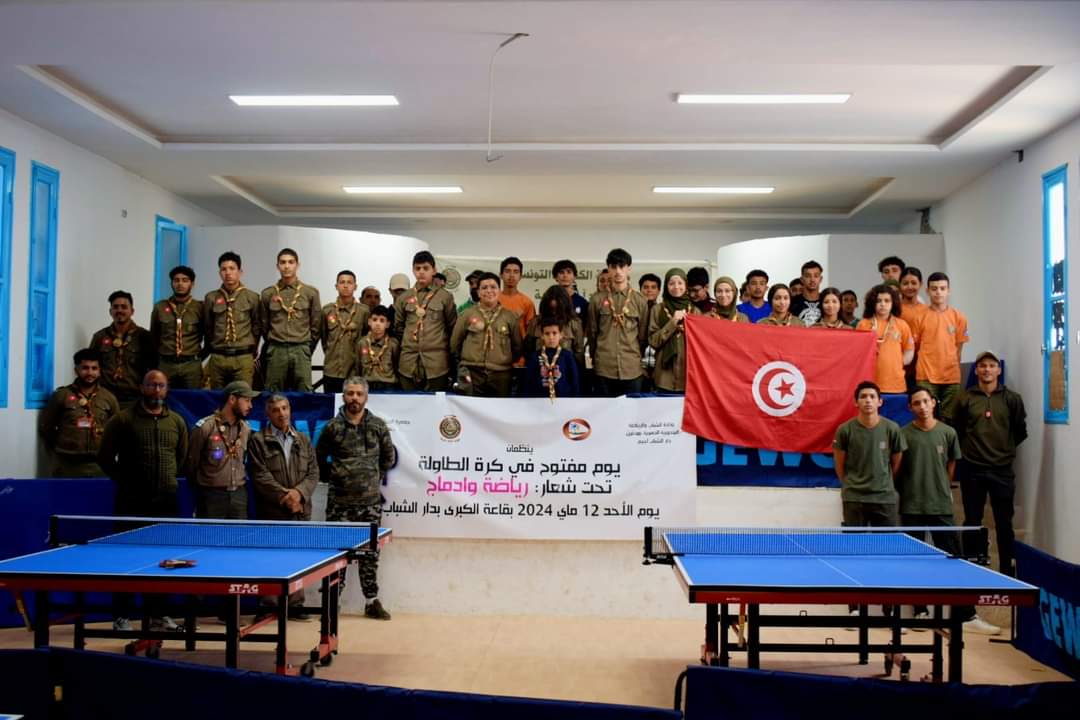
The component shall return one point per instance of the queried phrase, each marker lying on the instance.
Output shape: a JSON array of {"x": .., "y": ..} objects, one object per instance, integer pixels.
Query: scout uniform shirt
[
  {"x": 177, "y": 329},
  {"x": 292, "y": 313},
  {"x": 489, "y": 339},
  {"x": 125, "y": 358},
  {"x": 617, "y": 330},
  {"x": 216, "y": 452},
  {"x": 342, "y": 326},
  {"x": 423, "y": 320},
  {"x": 573, "y": 339},
  {"x": 378, "y": 359},
  {"x": 73, "y": 421},
  {"x": 670, "y": 372},
  {"x": 231, "y": 321}
]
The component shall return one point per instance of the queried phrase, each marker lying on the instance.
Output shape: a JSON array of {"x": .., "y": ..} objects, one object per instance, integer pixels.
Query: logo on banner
[
  {"x": 779, "y": 388},
  {"x": 450, "y": 427},
  {"x": 576, "y": 429}
]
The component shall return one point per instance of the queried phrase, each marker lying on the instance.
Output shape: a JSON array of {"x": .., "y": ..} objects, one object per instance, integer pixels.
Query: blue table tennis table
[
  {"x": 230, "y": 559},
  {"x": 749, "y": 567}
]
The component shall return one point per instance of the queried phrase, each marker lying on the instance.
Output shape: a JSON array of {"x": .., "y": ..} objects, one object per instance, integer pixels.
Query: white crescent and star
[{"x": 778, "y": 388}]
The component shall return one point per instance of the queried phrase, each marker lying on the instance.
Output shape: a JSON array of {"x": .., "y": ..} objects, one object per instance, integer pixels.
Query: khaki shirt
[
  {"x": 617, "y": 331},
  {"x": 487, "y": 339},
  {"x": 232, "y": 322},
  {"x": 573, "y": 339},
  {"x": 342, "y": 327},
  {"x": 73, "y": 421},
  {"x": 170, "y": 319},
  {"x": 378, "y": 359},
  {"x": 216, "y": 452},
  {"x": 423, "y": 321},
  {"x": 292, "y": 313},
  {"x": 664, "y": 332},
  {"x": 125, "y": 359}
]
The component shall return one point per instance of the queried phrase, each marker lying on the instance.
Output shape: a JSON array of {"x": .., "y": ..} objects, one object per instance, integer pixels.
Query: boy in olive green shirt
[{"x": 867, "y": 450}]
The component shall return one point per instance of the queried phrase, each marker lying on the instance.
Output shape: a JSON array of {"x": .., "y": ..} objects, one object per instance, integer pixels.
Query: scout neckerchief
[
  {"x": 834, "y": 326},
  {"x": 231, "y": 449},
  {"x": 619, "y": 316},
  {"x": 289, "y": 308},
  {"x": 489, "y": 325},
  {"x": 787, "y": 319},
  {"x": 884, "y": 333},
  {"x": 119, "y": 343},
  {"x": 549, "y": 371},
  {"x": 346, "y": 325},
  {"x": 421, "y": 311},
  {"x": 230, "y": 318},
  {"x": 374, "y": 359},
  {"x": 86, "y": 402},
  {"x": 178, "y": 312}
]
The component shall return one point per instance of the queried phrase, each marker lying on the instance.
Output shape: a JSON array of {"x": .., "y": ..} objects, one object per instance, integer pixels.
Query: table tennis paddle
[{"x": 173, "y": 564}]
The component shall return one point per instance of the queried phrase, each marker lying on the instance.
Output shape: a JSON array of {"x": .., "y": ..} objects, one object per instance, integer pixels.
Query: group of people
[{"x": 113, "y": 419}]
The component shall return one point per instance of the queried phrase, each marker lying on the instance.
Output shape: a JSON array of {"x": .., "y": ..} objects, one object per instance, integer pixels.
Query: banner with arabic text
[{"x": 579, "y": 468}]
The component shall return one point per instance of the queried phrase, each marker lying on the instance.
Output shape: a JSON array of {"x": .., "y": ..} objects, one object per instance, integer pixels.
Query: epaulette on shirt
[{"x": 200, "y": 422}]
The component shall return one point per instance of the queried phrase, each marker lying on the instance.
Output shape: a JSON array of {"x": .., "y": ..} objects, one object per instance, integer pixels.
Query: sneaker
[
  {"x": 123, "y": 624},
  {"x": 980, "y": 626},
  {"x": 165, "y": 623},
  {"x": 376, "y": 611},
  {"x": 921, "y": 616}
]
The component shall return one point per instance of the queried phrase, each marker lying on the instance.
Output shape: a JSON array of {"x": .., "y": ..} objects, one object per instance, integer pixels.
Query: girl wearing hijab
[
  {"x": 666, "y": 334},
  {"x": 830, "y": 311},
  {"x": 780, "y": 300},
  {"x": 726, "y": 293},
  {"x": 556, "y": 304}
]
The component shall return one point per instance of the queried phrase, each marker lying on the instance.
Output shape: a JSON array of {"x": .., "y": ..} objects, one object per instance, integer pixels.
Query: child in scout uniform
[
  {"x": 617, "y": 330},
  {"x": 424, "y": 317},
  {"x": 176, "y": 326},
  {"x": 551, "y": 371},
  {"x": 343, "y": 322},
  {"x": 378, "y": 352},
  {"x": 486, "y": 342}
]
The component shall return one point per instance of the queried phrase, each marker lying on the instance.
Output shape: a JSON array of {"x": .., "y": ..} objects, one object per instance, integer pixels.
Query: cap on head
[
  {"x": 399, "y": 281},
  {"x": 987, "y": 354},
  {"x": 241, "y": 388}
]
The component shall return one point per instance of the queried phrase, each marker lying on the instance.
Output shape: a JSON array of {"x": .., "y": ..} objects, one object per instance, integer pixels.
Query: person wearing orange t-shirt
[
  {"x": 911, "y": 312},
  {"x": 942, "y": 333},
  {"x": 895, "y": 343},
  {"x": 518, "y": 302}
]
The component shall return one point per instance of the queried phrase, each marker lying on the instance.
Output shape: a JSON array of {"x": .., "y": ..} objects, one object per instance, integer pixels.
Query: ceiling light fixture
[
  {"x": 675, "y": 190},
  {"x": 403, "y": 190},
  {"x": 314, "y": 100},
  {"x": 753, "y": 99}
]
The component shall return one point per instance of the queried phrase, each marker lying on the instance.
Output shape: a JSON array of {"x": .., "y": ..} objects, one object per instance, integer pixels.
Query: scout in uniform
[
  {"x": 424, "y": 317},
  {"x": 232, "y": 326},
  {"x": 354, "y": 453},
  {"x": 667, "y": 334},
  {"x": 378, "y": 351},
  {"x": 74, "y": 419},
  {"x": 215, "y": 459},
  {"x": 486, "y": 341},
  {"x": 292, "y": 316},
  {"x": 617, "y": 330},
  {"x": 127, "y": 350},
  {"x": 176, "y": 325},
  {"x": 343, "y": 322}
]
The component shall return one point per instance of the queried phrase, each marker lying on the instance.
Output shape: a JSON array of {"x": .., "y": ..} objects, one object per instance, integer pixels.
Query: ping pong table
[
  {"x": 230, "y": 559},
  {"x": 719, "y": 567}
]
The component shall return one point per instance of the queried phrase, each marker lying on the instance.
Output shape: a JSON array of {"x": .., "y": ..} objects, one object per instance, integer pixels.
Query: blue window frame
[
  {"x": 41, "y": 310},
  {"x": 170, "y": 250},
  {"x": 7, "y": 192},
  {"x": 1055, "y": 297}
]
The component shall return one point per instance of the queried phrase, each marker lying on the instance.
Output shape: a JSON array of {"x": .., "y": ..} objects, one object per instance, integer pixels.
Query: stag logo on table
[
  {"x": 450, "y": 428},
  {"x": 577, "y": 429},
  {"x": 779, "y": 388}
]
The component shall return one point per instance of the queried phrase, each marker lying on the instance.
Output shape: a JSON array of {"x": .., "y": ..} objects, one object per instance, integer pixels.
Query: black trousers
[
  {"x": 977, "y": 483},
  {"x": 610, "y": 387}
]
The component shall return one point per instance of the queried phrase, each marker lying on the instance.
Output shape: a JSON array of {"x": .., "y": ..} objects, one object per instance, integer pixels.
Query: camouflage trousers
[{"x": 348, "y": 510}]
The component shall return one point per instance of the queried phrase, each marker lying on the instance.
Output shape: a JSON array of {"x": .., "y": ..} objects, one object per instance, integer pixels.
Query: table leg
[
  {"x": 79, "y": 642},
  {"x": 190, "y": 622},
  {"x": 753, "y": 640},
  {"x": 232, "y": 630},
  {"x": 725, "y": 641},
  {"x": 41, "y": 618},
  {"x": 282, "y": 659},
  {"x": 956, "y": 647},
  {"x": 864, "y": 634},
  {"x": 936, "y": 662}
]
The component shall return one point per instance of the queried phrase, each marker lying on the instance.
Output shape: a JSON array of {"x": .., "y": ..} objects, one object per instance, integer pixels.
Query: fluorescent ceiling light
[
  {"x": 713, "y": 190},
  {"x": 753, "y": 99},
  {"x": 313, "y": 100},
  {"x": 403, "y": 190}
]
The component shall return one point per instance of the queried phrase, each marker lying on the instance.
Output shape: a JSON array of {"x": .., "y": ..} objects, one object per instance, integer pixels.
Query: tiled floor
[{"x": 620, "y": 660}]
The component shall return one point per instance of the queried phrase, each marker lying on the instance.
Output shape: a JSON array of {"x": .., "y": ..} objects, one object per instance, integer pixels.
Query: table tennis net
[
  {"x": 68, "y": 530},
  {"x": 668, "y": 542}
]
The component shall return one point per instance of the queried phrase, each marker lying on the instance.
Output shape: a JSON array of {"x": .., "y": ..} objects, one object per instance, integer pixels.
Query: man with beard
[
  {"x": 473, "y": 279},
  {"x": 127, "y": 350},
  {"x": 176, "y": 326},
  {"x": 215, "y": 459},
  {"x": 74, "y": 419},
  {"x": 354, "y": 454}
]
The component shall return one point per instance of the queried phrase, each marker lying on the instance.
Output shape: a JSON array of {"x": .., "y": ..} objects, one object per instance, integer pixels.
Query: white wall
[
  {"x": 98, "y": 251},
  {"x": 781, "y": 257},
  {"x": 994, "y": 250}
]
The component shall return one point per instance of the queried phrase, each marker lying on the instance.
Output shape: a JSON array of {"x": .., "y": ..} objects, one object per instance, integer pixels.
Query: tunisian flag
[{"x": 763, "y": 386}]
